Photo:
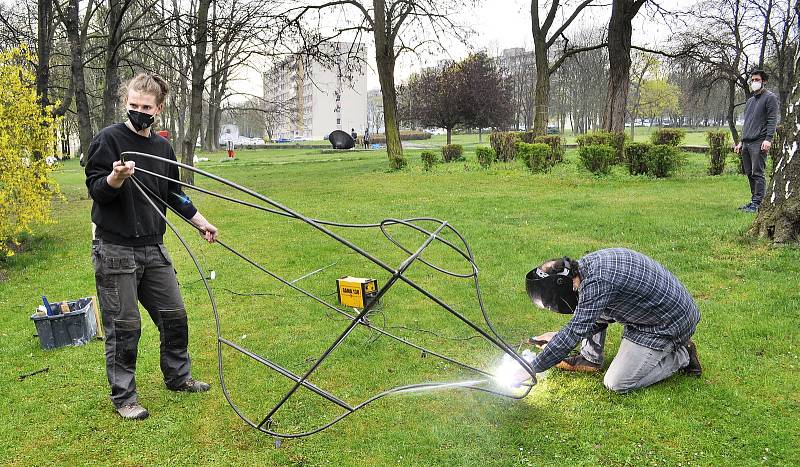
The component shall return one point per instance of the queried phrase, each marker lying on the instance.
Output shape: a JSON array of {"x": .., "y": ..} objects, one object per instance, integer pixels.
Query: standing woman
[{"x": 131, "y": 264}]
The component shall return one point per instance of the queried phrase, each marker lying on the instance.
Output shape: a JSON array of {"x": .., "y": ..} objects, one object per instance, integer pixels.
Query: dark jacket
[
  {"x": 760, "y": 117},
  {"x": 123, "y": 215}
]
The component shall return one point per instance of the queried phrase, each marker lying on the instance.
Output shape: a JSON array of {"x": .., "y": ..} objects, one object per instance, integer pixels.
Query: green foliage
[
  {"x": 618, "y": 140},
  {"x": 555, "y": 144},
  {"x": 429, "y": 159},
  {"x": 597, "y": 158},
  {"x": 670, "y": 136},
  {"x": 658, "y": 97},
  {"x": 380, "y": 138},
  {"x": 27, "y": 137},
  {"x": 452, "y": 152},
  {"x": 596, "y": 138},
  {"x": 536, "y": 156},
  {"x": 718, "y": 149},
  {"x": 528, "y": 136},
  {"x": 636, "y": 155},
  {"x": 485, "y": 156},
  {"x": 663, "y": 160},
  {"x": 503, "y": 143}
]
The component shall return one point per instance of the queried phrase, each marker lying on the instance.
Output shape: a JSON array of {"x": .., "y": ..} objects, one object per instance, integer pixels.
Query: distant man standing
[
  {"x": 354, "y": 135},
  {"x": 366, "y": 138},
  {"x": 760, "y": 120}
]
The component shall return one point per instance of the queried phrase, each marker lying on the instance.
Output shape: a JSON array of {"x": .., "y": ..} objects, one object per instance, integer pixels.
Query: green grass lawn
[{"x": 743, "y": 411}]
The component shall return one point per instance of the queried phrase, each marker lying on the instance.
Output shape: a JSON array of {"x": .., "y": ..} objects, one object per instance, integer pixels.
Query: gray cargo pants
[
  {"x": 754, "y": 160},
  {"x": 635, "y": 366},
  {"x": 127, "y": 275}
]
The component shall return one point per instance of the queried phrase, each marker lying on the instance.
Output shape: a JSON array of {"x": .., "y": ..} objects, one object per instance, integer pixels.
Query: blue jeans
[{"x": 635, "y": 366}]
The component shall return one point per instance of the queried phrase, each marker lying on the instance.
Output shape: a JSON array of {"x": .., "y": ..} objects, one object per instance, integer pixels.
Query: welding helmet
[{"x": 553, "y": 290}]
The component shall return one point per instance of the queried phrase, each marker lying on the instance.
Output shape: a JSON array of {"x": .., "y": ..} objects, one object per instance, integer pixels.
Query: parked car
[
  {"x": 282, "y": 140},
  {"x": 552, "y": 130}
]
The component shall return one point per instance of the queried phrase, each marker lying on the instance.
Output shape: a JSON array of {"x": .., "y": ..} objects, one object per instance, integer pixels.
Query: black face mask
[{"x": 140, "y": 120}]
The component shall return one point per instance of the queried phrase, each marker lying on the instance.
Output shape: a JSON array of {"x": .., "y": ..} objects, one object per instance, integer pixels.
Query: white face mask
[{"x": 755, "y": 86}]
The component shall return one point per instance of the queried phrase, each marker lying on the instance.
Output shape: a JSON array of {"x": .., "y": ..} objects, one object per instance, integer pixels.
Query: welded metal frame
[{"x": 397, "y": 274}]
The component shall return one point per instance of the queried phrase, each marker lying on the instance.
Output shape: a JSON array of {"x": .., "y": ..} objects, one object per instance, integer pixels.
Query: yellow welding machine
[{"x": 356, "y": 292}]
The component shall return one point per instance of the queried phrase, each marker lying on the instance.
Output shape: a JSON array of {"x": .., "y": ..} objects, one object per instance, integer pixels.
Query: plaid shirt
[{"x": 622, "y": 285}]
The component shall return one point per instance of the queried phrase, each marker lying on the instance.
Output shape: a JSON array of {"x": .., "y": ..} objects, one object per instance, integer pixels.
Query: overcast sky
[{"x": 499, "y": 25}]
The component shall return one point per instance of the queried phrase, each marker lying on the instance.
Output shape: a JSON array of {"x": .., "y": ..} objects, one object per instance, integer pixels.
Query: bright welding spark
[{"x": 510, "y": 374}]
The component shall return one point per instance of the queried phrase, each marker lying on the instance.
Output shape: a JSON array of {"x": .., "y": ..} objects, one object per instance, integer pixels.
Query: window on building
[{"x": 338, "y": 121}]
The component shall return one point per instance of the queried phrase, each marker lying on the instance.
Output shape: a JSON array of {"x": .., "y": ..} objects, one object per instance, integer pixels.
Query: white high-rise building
[{"x": 311, "y": 100}]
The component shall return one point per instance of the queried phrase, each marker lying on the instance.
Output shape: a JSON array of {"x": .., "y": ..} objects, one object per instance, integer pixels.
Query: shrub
[
  {"x": 429, "y": 159},
  {"x": 536, "y": 156},
  {"x": 380, "y": 138},
  {"x": 527, "y": 136},
  {"x": 503, "y": 143},
  {"x": 668, "y": 136},
  {"x": 27, "y": 139},
  {"x": 718, "y": 149},
  {"x": 485, "y": 156},
  {"x": 595, "y": 138},
  {"x": 452, "y": 152},
  {"x": 636, "y": 157},
  {"x": 617, "y": 141},
  {"x": 556, "y": 153},
  {"x": 597, "y": 158},
  {"x": 663, "y": 160}
]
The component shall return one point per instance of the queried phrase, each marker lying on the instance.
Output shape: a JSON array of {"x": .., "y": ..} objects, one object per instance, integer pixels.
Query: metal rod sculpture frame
[{"x": 264, "y": 425}]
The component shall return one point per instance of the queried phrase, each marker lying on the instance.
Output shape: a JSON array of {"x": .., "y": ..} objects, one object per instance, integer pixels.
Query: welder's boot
[
  {"x": 191, "y": 385},
  {"x": 578, "y": 363},
  {"x": 693, "y": 368},
  {"x": 133, "y": 412}
]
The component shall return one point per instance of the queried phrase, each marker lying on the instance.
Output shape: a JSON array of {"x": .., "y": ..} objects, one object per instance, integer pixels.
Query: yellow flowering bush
[{"x": 27, "y": 137}]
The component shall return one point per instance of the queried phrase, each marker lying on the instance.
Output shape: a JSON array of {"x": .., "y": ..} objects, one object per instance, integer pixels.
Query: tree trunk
[
  {"x": 385, "y": 60},
  {"x": 43, "y": 47},
  {"x": 731, "y": 117},
  {"x": 619, "y": 59},
  {"x": 542, "y": 92},
  {"x": 779, "y": 215},
  {"x": 72, "y": 26},
  {"x": 449, "y": 135},
  {"x": 111, "y": 66},
  {"x": 199, "y": 62}
]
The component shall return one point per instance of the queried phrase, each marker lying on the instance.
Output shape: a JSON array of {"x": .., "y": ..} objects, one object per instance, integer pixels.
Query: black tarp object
[{"x": 341, "y": 140}]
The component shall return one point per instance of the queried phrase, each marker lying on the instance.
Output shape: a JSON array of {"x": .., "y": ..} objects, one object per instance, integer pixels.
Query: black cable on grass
[{"x": 354, "y": 320}]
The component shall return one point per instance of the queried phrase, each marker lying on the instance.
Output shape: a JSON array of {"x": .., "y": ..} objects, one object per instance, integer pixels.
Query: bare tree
[
  {"x": 76, "y": 36},
  {"x": 545, "y": 36},
  {"x": 396, "y": 26}
]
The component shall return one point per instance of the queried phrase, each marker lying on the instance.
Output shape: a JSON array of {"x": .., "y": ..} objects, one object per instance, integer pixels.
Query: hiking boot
[
  {"x": 745, "y": 206},
  {"x": 693, "y": 368},
  {"x": 578, "y": 363},
  {"x": 751, "y": 209},
  {"x": 191, "y": 385},
  {"x": 133, "y": 412}
]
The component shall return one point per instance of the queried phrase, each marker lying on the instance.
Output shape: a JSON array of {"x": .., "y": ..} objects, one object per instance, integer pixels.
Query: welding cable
[{"x": 391, "y": 391}]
